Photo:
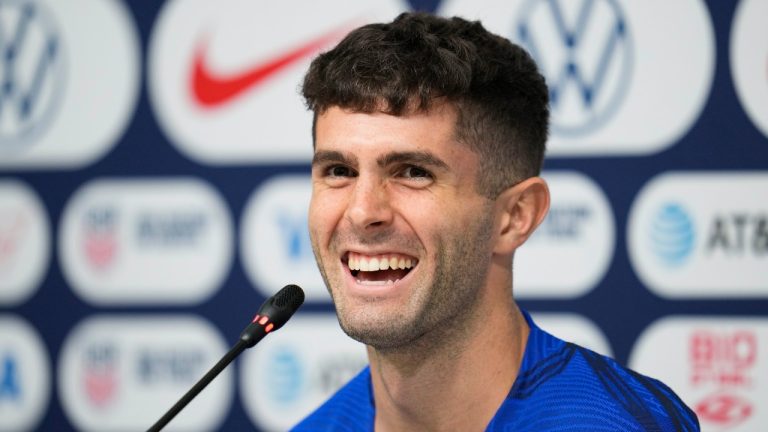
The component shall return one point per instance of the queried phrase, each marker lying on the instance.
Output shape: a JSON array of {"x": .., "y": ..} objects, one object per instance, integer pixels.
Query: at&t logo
[
  {"x": 672, "y": 234},
  {"x": 739, "y": 234},
  {"x": 296, "y": 372},
  {"x": 31, "y": 71},
  {"x": 690, "y": 235},
  {"x": 588, "y": 75},
  {"x": 286, "y": 376}
]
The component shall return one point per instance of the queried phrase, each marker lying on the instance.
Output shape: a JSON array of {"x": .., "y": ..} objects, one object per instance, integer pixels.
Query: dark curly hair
[{"x": 407, "y": 65}]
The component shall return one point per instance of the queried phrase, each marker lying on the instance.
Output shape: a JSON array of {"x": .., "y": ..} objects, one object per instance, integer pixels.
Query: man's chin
[{"x": 375, "y": 333}]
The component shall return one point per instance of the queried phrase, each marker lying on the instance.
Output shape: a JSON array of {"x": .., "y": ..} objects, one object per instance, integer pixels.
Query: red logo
[
  {"x": 100, "y": 237},
  {"x": 724, "y": 409},
  {"x": 723, "y": 359},
  {"x": 100, "y": 375},
  {"x": 211, "y": 90},
  {"x": 12, "y": 227}
]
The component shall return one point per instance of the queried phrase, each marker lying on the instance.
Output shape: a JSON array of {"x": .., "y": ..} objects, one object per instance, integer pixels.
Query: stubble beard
[{"x": 437, "y": 311}]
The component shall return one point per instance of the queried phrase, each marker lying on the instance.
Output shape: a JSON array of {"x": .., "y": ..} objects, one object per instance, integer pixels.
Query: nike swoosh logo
[{"x": 211, "y": 90}]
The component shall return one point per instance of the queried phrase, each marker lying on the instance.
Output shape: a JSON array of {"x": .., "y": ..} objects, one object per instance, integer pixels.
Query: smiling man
[{"x": 429, "y": 137}]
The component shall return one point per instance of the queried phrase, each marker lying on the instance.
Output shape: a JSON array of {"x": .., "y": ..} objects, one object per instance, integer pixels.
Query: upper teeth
[{"x": 363, "y": 263}]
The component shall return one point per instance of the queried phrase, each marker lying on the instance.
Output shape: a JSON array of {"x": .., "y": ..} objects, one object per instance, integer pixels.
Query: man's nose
[{"x": 370, "y": 205}]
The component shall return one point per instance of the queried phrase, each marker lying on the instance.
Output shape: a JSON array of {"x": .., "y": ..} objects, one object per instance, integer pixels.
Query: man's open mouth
[{"x": 379, "y": 269}]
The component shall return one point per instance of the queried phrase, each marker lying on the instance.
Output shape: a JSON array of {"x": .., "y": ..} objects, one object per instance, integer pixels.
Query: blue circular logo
[{"x": 672, "y": 235}]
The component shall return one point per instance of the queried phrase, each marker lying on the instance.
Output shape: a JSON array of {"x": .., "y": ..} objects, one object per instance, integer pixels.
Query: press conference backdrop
[{"x": 154, "y": 163}]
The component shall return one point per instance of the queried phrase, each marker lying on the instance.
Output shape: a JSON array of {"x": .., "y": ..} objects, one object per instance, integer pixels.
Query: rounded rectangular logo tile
[{"x": 146, "y": 241}]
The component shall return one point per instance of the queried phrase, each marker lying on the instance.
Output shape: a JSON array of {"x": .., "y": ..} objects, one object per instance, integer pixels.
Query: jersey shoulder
[
  {"x": 349, "y": 409},
  {"x": 571, "y": 388}
]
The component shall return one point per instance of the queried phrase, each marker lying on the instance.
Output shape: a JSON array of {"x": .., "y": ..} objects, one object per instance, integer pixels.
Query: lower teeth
[{"x": 376, "y": 283}]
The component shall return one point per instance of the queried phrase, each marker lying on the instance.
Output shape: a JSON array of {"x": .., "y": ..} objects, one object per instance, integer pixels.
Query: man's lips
[{"x": 379, "y": 269}]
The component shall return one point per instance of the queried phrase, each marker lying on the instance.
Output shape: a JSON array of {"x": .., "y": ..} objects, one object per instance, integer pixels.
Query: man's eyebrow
[
  {"x": 325, "y": 156},
  {"x": 413, "y": 157}
]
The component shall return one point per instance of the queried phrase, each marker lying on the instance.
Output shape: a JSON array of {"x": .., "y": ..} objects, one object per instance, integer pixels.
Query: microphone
[{"x": 272, "y": 315}]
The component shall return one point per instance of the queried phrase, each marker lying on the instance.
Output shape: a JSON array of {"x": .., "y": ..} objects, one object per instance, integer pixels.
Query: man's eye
[
  {"x": 339, "y": 171},
  {"x": 416, "y": 172}
]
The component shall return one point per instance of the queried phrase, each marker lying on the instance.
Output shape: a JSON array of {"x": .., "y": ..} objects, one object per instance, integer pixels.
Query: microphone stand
[
  {"x": 272, "y": 315},
  {"x": 239, "y": 347}
]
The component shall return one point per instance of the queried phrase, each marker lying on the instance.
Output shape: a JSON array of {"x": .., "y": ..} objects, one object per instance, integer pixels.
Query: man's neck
[{"x": 455, "y": 380}]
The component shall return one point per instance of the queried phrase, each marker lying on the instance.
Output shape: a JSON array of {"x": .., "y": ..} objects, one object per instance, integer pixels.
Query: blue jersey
[{"x": 560, "y": 387}]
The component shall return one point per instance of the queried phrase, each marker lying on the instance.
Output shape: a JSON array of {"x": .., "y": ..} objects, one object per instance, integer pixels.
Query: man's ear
[{"x": 520, "y": 209}]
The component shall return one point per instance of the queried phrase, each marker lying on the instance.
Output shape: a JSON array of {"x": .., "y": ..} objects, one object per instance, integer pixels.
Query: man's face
[{"x": 401, "y": 236}]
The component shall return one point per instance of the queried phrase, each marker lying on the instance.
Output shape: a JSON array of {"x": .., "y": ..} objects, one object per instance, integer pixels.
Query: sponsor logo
[
  {"x": 116, "y": 373},
  {"x": 211, "y": 90},
  {"x": 286, "y": 376},
  {"x": 170, "y": 366},
  {"x": 146, "y": 241},
  {"x": 13, "y": 226},
  {"x": 10, "y": 385},
  {"x": 54, "y": 77},
  {"x": 309, "y": 362},
  {"x": 565, "y": 222},
  {"x": 276, "y": 215},
  {"x": 24, "y": 242},
  {"x": 672, "y": 234},
  {"x": 100, "y": 380},
  {"x": 726, "y": 360},
  {"x": 239, "y": 64},
  {"x": 738, "y": 234},
  {"x": 24, "y": 375},
  {"x": 682, "y": 243},
  {"x": 588, "y": 75},
  {"x": 32, "y": 76},
  {"x": 589, "y": 52},
  {"x": 723, "y": 410},
  {"x": 295, "y": 234},
  {"x": 749, "y": 60},
  {"x": 722, "y": 358},
  {"x": 578, "y": 232},
  {"x": 712, "y": 363},
  {"x": 100, "y": 237},
  {"x": 170, "y": 229}
]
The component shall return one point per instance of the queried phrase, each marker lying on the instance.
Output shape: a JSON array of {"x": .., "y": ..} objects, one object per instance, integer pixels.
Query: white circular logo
[
  {"x": 70, "y": 86},
  {"x": 296, "y": 370},
  {"x": 275, "y": 246},
  {"x": 25, "y": 243},
  {"x": 25, "y": 375},
  {"x": 715, "y": 364},
  {"x": 578, "y": 233},
  {"x": 684, "y": 244},
  {"x": 749, "y": 59},
  {"x": 224, "y": 76},
  {"x": 603, "y": 61}
]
